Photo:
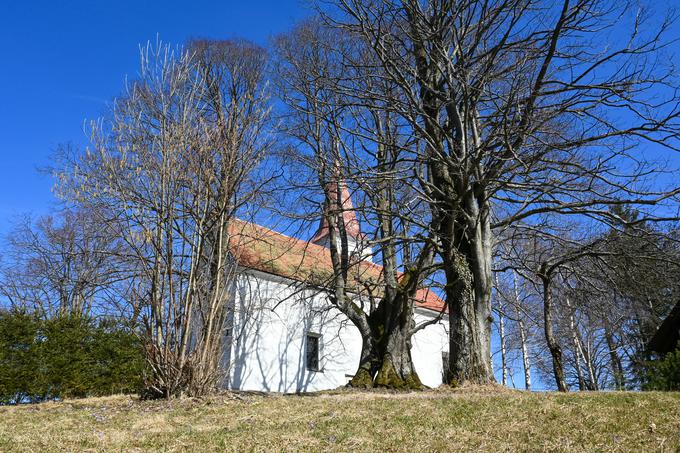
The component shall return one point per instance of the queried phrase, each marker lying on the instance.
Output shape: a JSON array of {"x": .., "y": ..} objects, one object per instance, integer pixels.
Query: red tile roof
[{"x": 265, "y": 250}]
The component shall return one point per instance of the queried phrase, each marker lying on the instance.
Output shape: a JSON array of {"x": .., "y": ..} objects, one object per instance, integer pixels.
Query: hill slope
[{"x": 471, "y": 419}]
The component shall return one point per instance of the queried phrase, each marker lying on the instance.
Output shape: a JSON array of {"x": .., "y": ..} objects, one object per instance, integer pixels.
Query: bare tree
[
  {"x": 63, "y": 265},
  {"x": 172, "y": 165},
  {"x": 515, "y": 300},
  {"x": 500, "y": 309},
  {"x": 623, "y": 297},
  {"x": 589, "y": 323},
  {"x": 548, "y": 260},
  {"x": 356, "y": 144},
  {"x": 525, "y": 108}
]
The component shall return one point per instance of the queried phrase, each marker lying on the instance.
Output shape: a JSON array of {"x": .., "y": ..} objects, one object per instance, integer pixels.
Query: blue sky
[{"x": 62, "y": 61}]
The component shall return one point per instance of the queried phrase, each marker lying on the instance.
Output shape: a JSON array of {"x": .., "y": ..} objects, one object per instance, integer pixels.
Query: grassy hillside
[{"x": 469, "y": 419}]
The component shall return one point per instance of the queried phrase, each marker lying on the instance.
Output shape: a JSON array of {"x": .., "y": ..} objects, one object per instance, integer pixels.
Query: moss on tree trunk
[
  {"x": 386, "y": 357},
  {"x": 362, "y": 379},
  {"x": 388, "y": 377}
]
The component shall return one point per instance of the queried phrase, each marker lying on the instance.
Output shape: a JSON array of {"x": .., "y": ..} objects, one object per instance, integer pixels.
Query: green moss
[
  {"x": 361, "y": 380},
  {"x": 389, "y": 378},
  {"x": 379, "y": 330},
  {"x": 453, "y": 383},
  {"x": 413, "y": 381}
]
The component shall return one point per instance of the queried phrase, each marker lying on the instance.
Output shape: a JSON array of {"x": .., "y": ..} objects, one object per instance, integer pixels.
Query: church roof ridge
[{"x": 264, "y": 249}]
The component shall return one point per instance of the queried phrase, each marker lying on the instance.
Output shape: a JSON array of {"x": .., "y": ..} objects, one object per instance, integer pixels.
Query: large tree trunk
[
  {"x": 467, "y": 265},
  {"x": 460, "y": 210},
  {"x": 386, "y": 353},
  {"x": 386, "y": 362},
  {"x": 469, "y": 338}
]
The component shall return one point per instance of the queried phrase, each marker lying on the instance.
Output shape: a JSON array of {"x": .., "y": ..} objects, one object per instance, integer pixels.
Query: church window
[{"x": 313, "y": 341}]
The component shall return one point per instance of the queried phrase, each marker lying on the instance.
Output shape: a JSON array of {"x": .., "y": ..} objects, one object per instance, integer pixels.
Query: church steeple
[{"x": 355, "y": 239}]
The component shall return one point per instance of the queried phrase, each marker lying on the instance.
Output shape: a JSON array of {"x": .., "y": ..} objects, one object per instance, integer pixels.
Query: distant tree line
[{"x": 580, "y": 308}]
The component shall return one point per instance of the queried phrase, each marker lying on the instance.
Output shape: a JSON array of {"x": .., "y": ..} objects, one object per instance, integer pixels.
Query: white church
[{"x": 285, "y": 336}]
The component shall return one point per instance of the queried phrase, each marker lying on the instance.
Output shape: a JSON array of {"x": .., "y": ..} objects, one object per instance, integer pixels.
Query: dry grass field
[{"x": 473, "y": 419}]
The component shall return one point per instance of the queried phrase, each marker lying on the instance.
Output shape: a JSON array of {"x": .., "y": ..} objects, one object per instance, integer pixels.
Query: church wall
[
  {"x": 427, "y": 347},
  {"x": 271, "y": 322}
]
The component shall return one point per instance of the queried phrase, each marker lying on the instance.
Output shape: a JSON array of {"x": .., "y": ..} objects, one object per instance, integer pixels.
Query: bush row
[{"x": 66, "y": 357}]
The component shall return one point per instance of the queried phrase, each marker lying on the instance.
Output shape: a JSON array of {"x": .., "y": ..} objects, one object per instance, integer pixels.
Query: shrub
[
  {"x": 20, "y": 365},
  {"x": 65, "y": 357},
  {"x": 664, "y": 374}
]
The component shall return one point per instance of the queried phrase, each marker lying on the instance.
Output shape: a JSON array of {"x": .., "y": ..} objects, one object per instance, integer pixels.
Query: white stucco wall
[
  {"x": 427, "y": 347},
  {"x": 271, "y": 321}
]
